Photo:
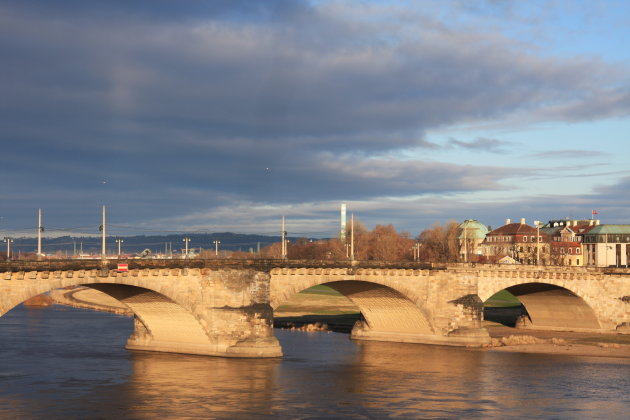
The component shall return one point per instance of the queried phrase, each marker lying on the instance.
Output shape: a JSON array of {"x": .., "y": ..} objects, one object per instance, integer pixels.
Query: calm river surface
[{"x": 69, "y": 363}]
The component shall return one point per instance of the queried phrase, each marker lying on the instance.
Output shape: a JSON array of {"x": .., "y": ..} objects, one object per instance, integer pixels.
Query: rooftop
[
  {"x": 514, "y": 229},
  {"x": 472, "y": 229},
  {"x": 610, "y": 229}
]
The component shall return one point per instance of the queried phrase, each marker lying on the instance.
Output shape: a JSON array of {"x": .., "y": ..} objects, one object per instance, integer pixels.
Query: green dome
[{"x": 473, "y": 229}]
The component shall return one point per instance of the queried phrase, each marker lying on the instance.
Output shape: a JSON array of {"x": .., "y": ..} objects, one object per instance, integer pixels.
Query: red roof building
[{"x": 524, "y": 243}]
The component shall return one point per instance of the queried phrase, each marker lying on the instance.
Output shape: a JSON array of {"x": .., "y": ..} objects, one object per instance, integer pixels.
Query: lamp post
[
  {"x": 216, "y": 247},
  {"x": 352, "y": 238},
  {"x": 537, "y": 223},
  {"x": 120, "y": 241},
  {"x": 283, "y": 251},
  {"x": 186, "y": 239},
  {"x": 8, "y": 240},
  {"x": 40, "y": 229},
  {"x": 465, "y": 243},
  {"x": 103, "y": 240}
]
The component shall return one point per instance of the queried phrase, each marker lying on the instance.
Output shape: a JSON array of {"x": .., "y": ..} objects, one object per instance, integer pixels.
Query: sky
[{"x": 225, "y": 115}]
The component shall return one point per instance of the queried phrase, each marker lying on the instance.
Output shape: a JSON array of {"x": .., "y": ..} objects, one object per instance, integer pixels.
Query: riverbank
[{"x": 509, "y": 339}]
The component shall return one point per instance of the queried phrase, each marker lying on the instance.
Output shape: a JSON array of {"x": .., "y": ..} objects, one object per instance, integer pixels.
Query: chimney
[
  {"x": 522, "y": 221},
  {"x": 508, "y": 221},
  {"x": 590, "y": 222},
  {"x": 597, "y": 222}
]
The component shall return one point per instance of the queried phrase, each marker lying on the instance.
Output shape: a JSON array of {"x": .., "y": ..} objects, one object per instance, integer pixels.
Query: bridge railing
[{"x": 255, "y": 264}]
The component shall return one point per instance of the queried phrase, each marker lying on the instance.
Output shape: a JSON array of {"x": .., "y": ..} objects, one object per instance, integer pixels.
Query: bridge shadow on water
[
  {"x": 504, "y": 315},
  {"x": 342, "y": 323}
]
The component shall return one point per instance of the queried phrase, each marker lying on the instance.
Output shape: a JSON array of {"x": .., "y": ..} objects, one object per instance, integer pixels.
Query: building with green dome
[{"x": 471, "y": 235}]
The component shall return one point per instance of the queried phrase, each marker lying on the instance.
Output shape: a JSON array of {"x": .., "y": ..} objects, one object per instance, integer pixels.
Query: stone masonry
[
  {"x": 226, "y": 309},
  {"x": 195, "y": 311}
]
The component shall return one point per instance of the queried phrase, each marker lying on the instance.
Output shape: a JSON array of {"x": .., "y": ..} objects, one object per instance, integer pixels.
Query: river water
[{"x": 63, "y": 362}]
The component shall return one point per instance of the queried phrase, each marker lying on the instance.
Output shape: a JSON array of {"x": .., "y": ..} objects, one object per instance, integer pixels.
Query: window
[
  {"x": 571, "y": 251},
  {"x": 577, "y": 262},
  {"x": 533, "y": 239},
  {"x": 577, "y": 250}
]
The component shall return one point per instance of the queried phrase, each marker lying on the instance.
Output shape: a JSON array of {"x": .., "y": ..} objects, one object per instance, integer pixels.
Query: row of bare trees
[{"x": 383, "y": 243}]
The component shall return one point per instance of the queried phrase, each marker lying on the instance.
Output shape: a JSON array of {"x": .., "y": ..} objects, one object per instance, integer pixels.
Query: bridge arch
[
  {"x": 388, "y": 307},
  {"x": 549, "y": 304},
  {"x": 161, "y": 316}
]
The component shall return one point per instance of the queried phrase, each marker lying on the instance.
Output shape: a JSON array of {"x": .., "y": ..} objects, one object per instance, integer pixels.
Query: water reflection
[
  {"x": 417, "y": 379},
  {"x": 170, "y": 385},
  {"x": 72, "y": 364}
]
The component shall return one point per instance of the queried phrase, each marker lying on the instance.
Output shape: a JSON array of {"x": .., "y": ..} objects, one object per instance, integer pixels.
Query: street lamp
[
  {"x": 537, "y": 224},
  {"x": 187, "y": 239},
  {"x": 8, "y": 240},
  {"x": 120, "y": 241},
  {"x": 416, "y": 251}
]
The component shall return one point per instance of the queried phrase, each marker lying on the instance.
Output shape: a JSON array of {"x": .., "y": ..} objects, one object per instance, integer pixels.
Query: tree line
[{"x": 383, "y": 243}]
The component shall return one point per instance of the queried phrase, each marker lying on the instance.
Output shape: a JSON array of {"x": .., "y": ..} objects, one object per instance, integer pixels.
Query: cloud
[
  {"x": 308, "y": 75},
  {"x": 183, "y": 107},
  {"x": 570, "y": 154},
  {"x": 481, "y": 144},
  {"x": 321, "y": 218}
]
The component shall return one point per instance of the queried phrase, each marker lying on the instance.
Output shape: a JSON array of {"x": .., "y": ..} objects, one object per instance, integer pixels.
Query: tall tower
[{"x": 342, "y": 233}]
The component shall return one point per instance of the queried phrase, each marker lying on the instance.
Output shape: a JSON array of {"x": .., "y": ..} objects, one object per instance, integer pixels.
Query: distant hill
[{"x": 71, "y": 245}]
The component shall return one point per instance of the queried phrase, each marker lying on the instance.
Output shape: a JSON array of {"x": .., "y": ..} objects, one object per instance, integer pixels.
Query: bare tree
[
  {"x": 387, "y": 245},
  {"x": 439, "y": 243}
]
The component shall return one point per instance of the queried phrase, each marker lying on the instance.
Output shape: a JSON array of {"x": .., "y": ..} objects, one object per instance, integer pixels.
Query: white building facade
[{"x": 607, "y": 246}]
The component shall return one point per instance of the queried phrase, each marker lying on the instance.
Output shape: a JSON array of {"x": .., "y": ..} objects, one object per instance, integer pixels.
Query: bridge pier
[
  {"x": 226, "y": 313},
  {"x": 142, "y": 340}
]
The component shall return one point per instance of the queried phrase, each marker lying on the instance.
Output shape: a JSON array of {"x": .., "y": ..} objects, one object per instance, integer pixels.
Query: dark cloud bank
[{"x": 165, "y": 108}]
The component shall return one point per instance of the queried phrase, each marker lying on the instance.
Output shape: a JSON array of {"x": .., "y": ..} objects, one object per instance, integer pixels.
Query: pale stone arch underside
[
  {"x": 554, "y": 307},
  {"x": 384, "y": 309},
  {"x": 401, "y": 305},
  {"x": 177, "y": 310},
  {"x": 158, "y": 319}
]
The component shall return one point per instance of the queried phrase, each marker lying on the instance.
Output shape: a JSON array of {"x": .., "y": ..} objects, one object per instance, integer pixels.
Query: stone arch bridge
[{"x": 225, "y": 307}]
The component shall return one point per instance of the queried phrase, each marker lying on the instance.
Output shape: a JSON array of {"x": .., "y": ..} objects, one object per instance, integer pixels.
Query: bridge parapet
[{"x": 264, "y": 265}]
